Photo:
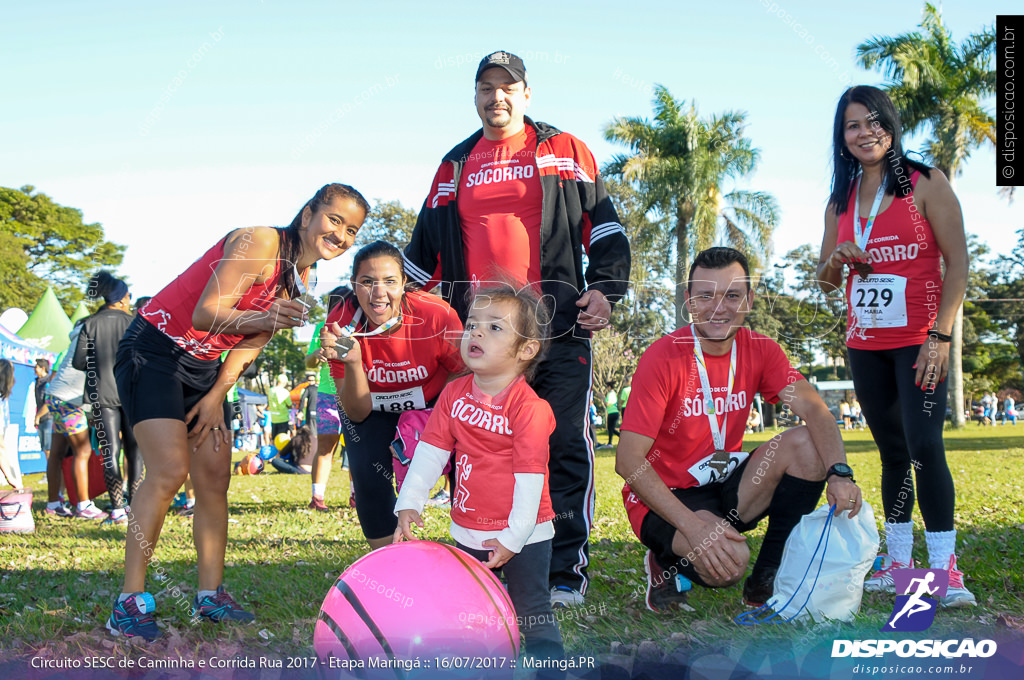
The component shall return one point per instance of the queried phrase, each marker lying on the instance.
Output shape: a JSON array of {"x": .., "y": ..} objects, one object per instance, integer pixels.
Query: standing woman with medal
[
  {"x": 391, "y": 351},
  {"x": 894, "y": 222},
  {"x": 173, "y": 383}
]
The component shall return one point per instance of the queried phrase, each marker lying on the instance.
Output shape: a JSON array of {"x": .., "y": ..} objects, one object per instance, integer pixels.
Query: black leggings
[
  {"x": 906, "y": 423},
  {"x": 112, "y": 432},
  {"x": 613, "y": 426},
  {"x": 526, "y": 577},
  {"x": 369, "y": 460}
]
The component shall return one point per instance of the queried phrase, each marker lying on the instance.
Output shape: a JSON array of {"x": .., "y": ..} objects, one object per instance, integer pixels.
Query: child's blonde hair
[{"x": 532, "y": 318}]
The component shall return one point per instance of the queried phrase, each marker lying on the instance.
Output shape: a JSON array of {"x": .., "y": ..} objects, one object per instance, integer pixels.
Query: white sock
[
  {"x": 319, "y": 489},
  {"x": 124, "y": 596},
  {"x": 899, "y": 540},
  {"x": 941, "y": 545},
  {"x": 53, "y": 505},
  {"x": 83, "y": 505},
  {"x": 190, "y": 503},
  {"x": 206, "y": 593}
]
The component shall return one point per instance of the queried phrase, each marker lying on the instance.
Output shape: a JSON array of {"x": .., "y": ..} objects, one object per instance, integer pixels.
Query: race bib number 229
[{"x": 879, "y": 300}]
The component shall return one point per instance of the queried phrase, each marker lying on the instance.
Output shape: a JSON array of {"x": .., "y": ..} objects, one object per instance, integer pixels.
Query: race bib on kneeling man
[{"x": 717, "y": 467}]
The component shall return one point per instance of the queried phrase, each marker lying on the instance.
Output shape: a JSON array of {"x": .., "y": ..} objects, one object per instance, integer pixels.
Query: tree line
[{"x": 677, "y": 187}]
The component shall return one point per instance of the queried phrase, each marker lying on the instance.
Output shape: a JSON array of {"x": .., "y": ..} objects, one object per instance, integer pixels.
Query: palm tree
[
  {"x": 938, "y": 84},
  {"x": 679, "y": 163}
]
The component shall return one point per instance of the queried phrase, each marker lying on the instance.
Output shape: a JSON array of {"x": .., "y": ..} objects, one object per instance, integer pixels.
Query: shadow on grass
[
  {"x": 990, "y": 559},
  {"x": 989, "y": 443}
]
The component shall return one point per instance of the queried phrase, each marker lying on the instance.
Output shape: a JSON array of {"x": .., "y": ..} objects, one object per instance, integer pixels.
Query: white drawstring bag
[{"x": 830, "y": 584}]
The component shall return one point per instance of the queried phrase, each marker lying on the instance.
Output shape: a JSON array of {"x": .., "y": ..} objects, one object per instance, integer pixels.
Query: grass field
[{"x": 57, "y": 585}]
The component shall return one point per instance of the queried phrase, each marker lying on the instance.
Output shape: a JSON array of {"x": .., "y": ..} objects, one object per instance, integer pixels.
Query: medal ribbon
[
  {"x": 349, "y": 330},
  {"x": 301, "y": 287},
  {"x": 861, "y": 236},
  {"x": 717, "y": 433}
]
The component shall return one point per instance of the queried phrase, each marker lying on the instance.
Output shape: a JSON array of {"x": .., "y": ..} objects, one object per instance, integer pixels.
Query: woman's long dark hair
[
  {"x": 896, "y": 174},
  {"x": 6, "y": 378},
  {"x": 338, "y": 296},
  {"x": 290, "y": 243}
]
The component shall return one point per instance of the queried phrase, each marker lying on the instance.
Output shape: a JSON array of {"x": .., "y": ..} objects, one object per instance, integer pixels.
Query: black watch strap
[{"x": 841, "y": 470}]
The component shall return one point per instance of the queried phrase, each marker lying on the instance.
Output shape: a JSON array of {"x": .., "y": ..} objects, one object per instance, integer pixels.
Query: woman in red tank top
[
  {"x": 390, "y": 351},
  {"x": 891, "y": 222},
  {"x": 173, "y": 385}
]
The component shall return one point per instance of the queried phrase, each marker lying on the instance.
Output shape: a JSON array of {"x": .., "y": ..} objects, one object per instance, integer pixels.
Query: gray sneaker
[
  {"x": 664, "y": 591},
  {"x": 956, "y": 594},
  {"x": 881, "y": 581},
  {"x": 565, "y": 597}
]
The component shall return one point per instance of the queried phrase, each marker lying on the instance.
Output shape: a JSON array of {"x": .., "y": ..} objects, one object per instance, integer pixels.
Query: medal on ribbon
[
  {"x": 861, "y": 237},
  {"x": 720, "y": 462}
]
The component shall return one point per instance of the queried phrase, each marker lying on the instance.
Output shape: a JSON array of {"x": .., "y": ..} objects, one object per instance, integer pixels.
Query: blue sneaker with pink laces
[
  {"x": 133, "y": 617},
  {"x": 220, "y": 607}
]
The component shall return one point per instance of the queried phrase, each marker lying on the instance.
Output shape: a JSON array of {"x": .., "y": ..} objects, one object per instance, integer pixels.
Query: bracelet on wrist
[{"x": 941, "y": 337}]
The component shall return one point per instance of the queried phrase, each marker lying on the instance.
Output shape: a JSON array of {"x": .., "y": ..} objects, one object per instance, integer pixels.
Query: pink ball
[{"x": 416, "y": 601}]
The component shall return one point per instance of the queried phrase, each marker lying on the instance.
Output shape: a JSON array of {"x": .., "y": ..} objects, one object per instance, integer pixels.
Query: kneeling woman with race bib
[
  {"x": 390, "y": 351},
  {"x": 889, "y": 219}
]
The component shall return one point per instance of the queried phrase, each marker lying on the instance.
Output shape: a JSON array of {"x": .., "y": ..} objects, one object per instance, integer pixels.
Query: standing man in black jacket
[
  {"x": 95, "y": 354},
  {"x": 522, "y": 200}
]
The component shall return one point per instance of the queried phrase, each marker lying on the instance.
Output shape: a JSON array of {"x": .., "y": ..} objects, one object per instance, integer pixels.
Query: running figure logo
[{"x": 917, "y": 596}]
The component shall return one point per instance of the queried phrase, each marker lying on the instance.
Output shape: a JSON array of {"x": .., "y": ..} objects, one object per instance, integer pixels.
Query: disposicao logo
[
  {"x": 917, "y": 597},
  {"x": 918, "y": 592}
]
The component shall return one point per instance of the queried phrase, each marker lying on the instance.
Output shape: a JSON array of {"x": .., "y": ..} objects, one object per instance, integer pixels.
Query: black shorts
[
  {"x": 720, "y": 499},
  {"x": 158, "y": 379}
]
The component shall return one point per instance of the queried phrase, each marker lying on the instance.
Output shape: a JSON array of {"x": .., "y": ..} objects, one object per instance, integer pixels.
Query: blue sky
[{"x": 172, "y": 123}]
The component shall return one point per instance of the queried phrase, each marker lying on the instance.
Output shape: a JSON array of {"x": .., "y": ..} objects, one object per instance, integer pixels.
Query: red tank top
[
  {"x": 897, "y": 304},
  {"x": 171, "y": 309}
]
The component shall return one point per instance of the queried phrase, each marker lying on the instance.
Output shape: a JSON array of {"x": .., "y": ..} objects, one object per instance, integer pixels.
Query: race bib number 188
[
  {"x": 396, "y": 402},
  {"x": 879, "y": 300}
]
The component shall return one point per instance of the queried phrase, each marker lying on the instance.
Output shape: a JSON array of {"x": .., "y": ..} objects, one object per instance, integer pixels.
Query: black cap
[{"x": 506, "y": 60}]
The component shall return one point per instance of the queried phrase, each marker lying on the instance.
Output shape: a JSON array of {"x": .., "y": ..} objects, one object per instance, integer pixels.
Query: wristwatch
[{"x": 841, "y": 469}]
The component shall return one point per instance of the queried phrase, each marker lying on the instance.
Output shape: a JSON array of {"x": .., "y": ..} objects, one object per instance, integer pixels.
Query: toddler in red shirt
[{"x": 498, "y": 429}]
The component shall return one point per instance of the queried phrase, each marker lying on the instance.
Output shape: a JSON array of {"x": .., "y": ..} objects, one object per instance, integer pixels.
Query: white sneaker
[
  {"x": 956, "y": 594},
  {"x": 90, "y": 512},
  {"x": 881, "y": 581},
  {"x": 564, "y": 596}
]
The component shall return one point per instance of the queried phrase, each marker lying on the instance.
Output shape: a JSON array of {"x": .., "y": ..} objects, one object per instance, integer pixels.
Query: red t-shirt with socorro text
[
  {"x": 897, "y": 303},
  {"x": 493, "y": 438},
  {"x": 406, "y": 367},
  {"x": 668, "y": 405},
  {"x": 171, "y": 309},
  {"x": 500, "y": 200}
]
